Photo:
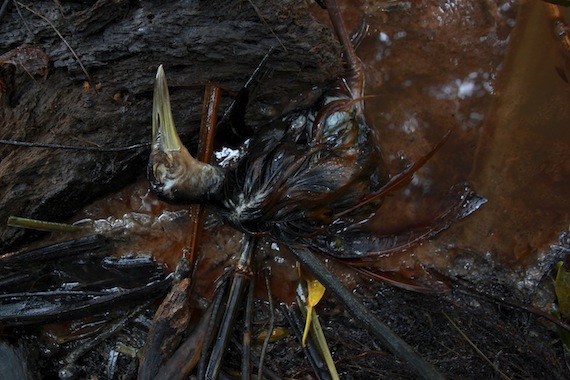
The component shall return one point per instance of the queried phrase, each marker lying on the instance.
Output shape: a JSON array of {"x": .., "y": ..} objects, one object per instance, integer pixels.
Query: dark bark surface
[{"x": 120, "y": 44}]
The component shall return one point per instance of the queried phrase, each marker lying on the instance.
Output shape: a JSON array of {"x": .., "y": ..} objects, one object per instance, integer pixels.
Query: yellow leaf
[
  {"x": 562, "y": 288},
  {"x": 316, "y": 292},
  {"x": 277, "y": 333}
]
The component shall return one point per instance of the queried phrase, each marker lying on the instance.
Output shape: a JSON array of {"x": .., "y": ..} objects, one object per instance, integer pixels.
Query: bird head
[{"x": 174, "y": 175}]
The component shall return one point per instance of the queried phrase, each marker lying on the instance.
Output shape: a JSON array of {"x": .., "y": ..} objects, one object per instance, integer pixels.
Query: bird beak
[
  {"x": 174, "y": 175},
  {"x": 164, "y": 135}
]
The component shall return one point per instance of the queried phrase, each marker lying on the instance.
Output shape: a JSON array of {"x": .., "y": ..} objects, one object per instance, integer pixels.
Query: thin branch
[
  {"x": 74, "y": 147},
  {"x": 269, "y": 329},
  {"x": 62, "y": 38},
  {"x": 23, "y": 19},
  {"x": 267, "y": 25},
  {"x": 501, "y": 373},
  {"x": 4, "y": 8}
]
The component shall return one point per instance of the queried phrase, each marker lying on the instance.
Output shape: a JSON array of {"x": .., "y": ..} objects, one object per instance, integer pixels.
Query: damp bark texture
[{"x": 47, "y": 97}]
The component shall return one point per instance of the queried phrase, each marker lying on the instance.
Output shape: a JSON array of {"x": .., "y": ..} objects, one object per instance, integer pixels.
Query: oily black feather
[{"x": 289, "y": 186}]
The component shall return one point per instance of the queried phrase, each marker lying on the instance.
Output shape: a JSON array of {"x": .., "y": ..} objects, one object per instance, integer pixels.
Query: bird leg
[{"x": 354, "y": 77}]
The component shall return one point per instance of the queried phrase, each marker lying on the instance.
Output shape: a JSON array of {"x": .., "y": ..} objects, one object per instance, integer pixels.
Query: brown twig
[{"x": 205, "y": 148}]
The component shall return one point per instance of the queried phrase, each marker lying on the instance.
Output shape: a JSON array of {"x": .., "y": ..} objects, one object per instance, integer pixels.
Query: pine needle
[
  {"x": 41, "y": 225},
  {"x": 501, "y": 373}
]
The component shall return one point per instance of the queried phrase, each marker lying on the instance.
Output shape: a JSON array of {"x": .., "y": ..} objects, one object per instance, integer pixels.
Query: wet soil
[{"x": 490, "y": 71}]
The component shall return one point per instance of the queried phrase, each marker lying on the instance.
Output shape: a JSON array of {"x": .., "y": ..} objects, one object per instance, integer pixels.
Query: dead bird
[
  {"x": 297, "y": 172},
  {"x": 308, "y": 179}
]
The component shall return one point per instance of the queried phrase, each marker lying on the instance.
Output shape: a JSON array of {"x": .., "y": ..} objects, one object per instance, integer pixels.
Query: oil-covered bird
[
  {"x": 297, "y": 172},
  {"x": 309, "y": 181}
]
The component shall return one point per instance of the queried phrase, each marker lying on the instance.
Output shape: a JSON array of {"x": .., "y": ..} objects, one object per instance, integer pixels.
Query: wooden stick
[{"x": 205, "y": 148}]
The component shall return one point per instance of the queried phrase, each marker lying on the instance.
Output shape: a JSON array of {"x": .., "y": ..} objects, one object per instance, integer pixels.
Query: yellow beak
[
  {"x": 174, "y": 175},
  {"x": 164, "y": 135}
]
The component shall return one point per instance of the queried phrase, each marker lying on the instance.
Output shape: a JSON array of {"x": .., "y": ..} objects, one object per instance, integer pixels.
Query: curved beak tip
[
  {"x": 164, "y": 135},
  {"x": 160, "y": 71}
]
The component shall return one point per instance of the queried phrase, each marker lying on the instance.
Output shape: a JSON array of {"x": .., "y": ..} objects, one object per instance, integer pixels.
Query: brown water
[
  {"x": 523, "y": 157},
  {"x": 459, "y": 65},
  {"x": 432, "y": 67}
]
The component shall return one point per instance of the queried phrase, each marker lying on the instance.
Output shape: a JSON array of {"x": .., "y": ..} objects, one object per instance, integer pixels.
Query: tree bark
[{"x": 120, "y": 44}]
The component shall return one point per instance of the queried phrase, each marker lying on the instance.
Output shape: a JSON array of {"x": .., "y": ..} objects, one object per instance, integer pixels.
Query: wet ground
[
  {"x": 461, "y": 66},
  {"x": 493, "y": 73},
  {"x": 434, "y": 67}
]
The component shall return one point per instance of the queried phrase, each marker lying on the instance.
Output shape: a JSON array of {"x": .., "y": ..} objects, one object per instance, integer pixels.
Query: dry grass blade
[
  {"x": 74, "y": 147},
  {"x": 269, "y": 329},
  {"x": 317, "y": 332},
  {"x": 501, "y": 373},
  {"x": 41, "y": 225},
  {"x": 256, "y": 9}
]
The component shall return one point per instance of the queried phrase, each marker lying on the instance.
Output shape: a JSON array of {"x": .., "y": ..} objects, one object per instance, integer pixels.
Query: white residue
[
  {"x": 411, "y": 124},
  {"x": 474, "y": 84},
  {"x": 465, "y": 89},
  {"x": 227, "y": 156},
  {"x": 383, "y": 37},
  {"x": 400, "y": 35}
]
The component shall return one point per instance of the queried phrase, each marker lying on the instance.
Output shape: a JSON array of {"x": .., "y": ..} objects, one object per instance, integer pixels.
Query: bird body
[
  {"x": 307, "y": 181},
  {"x": 288, "y": 184},
  {"x": 295, "y": 174}
]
